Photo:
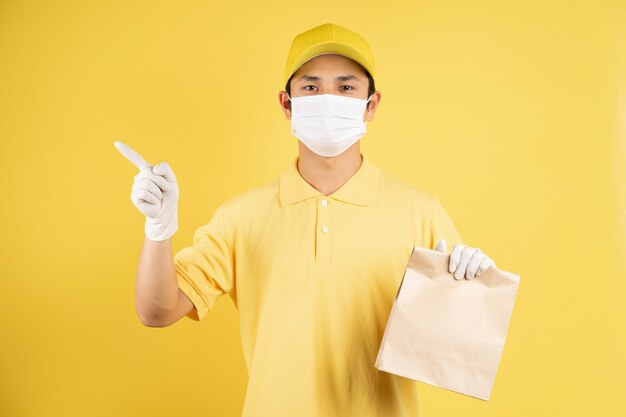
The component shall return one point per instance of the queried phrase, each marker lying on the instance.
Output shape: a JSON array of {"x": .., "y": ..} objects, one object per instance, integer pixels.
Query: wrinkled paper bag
[{"x": 446, "y": 332}]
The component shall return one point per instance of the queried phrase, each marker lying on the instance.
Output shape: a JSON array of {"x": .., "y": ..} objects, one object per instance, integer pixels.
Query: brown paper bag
[{"x": 445, "y": 332}]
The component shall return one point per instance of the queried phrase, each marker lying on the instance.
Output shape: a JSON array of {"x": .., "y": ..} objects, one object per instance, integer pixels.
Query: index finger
[{"x": 131, "y": 155}]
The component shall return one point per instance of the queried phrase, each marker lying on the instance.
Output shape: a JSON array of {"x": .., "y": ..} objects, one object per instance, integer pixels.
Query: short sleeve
[
  {"x": 205, "y": 270},
  {"x": 442, "y": 227}
]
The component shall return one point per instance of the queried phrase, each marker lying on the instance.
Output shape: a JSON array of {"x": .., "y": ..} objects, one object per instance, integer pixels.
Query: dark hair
[{"x": 370, "y": 89}]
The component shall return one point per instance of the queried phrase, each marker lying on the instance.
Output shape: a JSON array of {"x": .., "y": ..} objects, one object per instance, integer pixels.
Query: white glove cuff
[{"x": 159, "y": 229}]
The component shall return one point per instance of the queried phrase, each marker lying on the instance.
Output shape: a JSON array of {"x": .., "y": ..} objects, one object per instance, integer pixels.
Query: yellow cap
[{"x": 328, "y": 38}]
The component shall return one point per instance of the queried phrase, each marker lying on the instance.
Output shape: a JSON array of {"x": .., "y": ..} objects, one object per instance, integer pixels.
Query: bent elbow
[{"x": 152, "y": 320}]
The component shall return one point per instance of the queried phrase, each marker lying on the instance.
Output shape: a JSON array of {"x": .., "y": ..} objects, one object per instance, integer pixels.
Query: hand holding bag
[{"x": 446, "y": 332}]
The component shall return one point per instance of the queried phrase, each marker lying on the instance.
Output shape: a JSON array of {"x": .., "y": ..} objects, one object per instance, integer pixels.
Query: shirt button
[
  {"x": 324, "y": 229},
  {"x": 324, "y": 202}
]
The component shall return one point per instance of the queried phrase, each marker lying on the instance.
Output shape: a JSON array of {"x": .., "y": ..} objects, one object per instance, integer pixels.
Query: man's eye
[
  {"x": 306, "y": 87},
  {"x": 349, "y": 87}
]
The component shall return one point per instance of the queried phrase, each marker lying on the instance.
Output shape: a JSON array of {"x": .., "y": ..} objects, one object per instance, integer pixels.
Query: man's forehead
[
  {"x": 313, "y": 68},
  {"x": 315, "y": 77}
]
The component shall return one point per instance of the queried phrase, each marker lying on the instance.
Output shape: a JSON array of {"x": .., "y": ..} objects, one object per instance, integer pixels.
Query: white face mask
[{"x": 328, "y": 124}]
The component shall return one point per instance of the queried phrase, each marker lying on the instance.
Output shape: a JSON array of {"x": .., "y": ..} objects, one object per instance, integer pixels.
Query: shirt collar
[{"x": 361, "y": 189}]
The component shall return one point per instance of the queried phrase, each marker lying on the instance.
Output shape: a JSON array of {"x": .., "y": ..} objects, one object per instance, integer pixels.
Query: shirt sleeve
[
  {"x": 205, "y": 270},
  {"x": 442, "y": 227}
]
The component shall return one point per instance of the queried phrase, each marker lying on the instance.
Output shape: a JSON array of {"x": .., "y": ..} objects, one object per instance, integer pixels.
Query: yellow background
[{"x": 513, "y": 113}]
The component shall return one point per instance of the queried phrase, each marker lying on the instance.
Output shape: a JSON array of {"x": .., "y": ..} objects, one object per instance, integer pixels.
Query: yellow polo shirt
[{"x": 313, "y": 278}]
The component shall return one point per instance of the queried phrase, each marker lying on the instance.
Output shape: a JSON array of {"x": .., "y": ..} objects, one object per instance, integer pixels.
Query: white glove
[
  {"x": 154, "y": 193},
  {"x": 464, "y": 260}
]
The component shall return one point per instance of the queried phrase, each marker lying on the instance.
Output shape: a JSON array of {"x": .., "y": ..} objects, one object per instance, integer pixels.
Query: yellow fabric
[
  {"x": 313, "y": 304},
  {"x": 328, "y": 38}
]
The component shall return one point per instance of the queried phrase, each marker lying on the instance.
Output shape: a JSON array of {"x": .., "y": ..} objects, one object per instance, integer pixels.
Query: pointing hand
[{"x": 155, "y": 193}]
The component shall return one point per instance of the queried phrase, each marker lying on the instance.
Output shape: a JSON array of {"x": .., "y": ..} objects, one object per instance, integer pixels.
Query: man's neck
[{"x": 327, "y": 175}]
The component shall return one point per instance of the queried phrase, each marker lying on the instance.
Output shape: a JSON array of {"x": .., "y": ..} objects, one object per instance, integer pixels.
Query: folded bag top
[{"x": 446, "y": 332}]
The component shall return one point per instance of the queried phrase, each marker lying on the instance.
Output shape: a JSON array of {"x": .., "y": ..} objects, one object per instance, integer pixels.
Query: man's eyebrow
[{"x": 338, "y": 78}]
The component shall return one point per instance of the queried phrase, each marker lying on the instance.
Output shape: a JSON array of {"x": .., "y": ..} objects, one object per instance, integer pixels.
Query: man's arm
[{"x": 158, "y": 300}]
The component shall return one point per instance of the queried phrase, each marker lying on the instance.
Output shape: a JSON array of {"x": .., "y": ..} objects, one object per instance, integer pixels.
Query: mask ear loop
[
  {"x": 367, "y": 105},
  {"x": 290, "y": 101}
]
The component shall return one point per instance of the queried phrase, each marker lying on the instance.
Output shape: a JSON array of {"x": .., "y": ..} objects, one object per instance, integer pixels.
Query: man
[{"x": 313, "y": 259}]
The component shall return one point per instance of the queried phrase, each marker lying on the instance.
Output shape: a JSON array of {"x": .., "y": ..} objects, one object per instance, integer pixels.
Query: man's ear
[
  {"x": 285, "y": 104},
  {"x": 370, "y": 109}
]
